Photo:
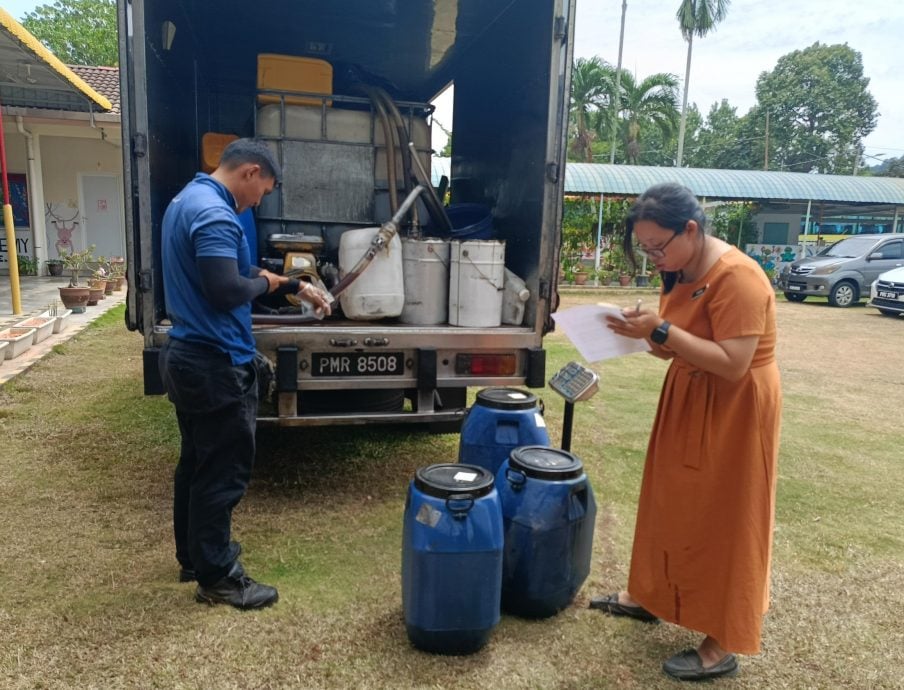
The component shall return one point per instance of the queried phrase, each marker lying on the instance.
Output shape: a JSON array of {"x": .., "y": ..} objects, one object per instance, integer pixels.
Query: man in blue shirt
[{"x": 207, "y": 363}]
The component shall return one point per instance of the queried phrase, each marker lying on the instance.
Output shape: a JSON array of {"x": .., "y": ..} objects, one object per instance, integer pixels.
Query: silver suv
[{"x": 843, "y": 271}]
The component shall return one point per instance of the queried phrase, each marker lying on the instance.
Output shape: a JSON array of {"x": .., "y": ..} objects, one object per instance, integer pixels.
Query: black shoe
[
  {"x": 239, "y": 590},
  {"x": 609, "y": 604},
  {"x": 687, "y": 665},
  {"x": 189, "y": 575}
]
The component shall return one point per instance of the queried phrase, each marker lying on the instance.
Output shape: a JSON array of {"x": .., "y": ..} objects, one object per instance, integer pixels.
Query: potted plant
[
  {"x": 117, "y": 265},
  {"x": 98, "y": 279},
  {"x": 568, "y": 274},
  {"x": 54, "y": 267},
  {"x": 580, "y": 275},
  {"x": 75, "y": 296},
  {"x": 27, "y": 265}
]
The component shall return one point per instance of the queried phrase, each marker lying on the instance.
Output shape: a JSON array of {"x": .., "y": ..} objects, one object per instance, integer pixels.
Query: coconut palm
[
  {"x": 590, "y": 92},
  {"x": 695, "y": 18},
  {"x": 653, "y": 101}
]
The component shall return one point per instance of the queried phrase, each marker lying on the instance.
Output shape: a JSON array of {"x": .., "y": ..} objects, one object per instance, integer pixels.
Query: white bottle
[{"x": 514, "y": 298}]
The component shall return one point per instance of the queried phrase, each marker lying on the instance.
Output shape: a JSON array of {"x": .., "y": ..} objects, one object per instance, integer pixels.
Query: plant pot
[
  {"x": 95, "y": 295},
  {"x": 43, "y": 326},
  {"x": 641, "y": 281},
  {"x": 624, "y": 280},
  {"x": 60, "y": 318},
  {"x": 19, "y": 339},
  {"x": 75, "y": 298},
  {"x": 55, "y": 269},
  {"x": 117, "y": 283},
  {"x": 108, "y": 286},
  {"x": 580, "y": 278},
  {"x": 100, "y": 286}
]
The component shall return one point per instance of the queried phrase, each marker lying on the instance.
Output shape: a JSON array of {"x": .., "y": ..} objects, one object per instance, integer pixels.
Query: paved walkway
[{"x": 37, "y": 295}]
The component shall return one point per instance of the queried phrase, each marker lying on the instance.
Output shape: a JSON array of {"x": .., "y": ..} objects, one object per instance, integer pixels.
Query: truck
[{"x": 342, "y": 93}]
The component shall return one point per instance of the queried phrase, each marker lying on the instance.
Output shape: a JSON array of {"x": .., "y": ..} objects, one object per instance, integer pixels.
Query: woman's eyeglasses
[{"x": 654, "y": 252}]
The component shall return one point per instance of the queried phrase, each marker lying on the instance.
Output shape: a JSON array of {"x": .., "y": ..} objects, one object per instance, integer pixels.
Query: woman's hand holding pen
[{"x": 638, "y": 322}]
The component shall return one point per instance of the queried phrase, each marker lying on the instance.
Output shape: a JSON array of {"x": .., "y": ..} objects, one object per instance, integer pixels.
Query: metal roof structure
[
  {"x": 33, "y": 77},
  {"x": 835, "y": 192}
]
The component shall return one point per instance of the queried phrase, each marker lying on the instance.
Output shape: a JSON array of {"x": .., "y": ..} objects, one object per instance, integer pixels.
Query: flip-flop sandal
[{"x": 609, "y": 604}]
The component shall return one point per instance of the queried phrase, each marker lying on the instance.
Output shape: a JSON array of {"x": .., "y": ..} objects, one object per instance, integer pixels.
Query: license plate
[
  {"x": 890, "y": 295},
  {"x": 357, "y": 364},
  {"x": 793, "y": 288}
]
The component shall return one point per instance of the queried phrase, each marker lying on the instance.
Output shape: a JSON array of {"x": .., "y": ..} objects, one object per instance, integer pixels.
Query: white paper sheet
[{"x": 586, "y": 328}]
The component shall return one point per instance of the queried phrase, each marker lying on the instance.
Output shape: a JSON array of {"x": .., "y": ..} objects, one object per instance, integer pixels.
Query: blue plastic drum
[
  {"x": 500, "y": 420},
  {"x": 548, "y": 514},
  {"x": 451, "y": 559}
]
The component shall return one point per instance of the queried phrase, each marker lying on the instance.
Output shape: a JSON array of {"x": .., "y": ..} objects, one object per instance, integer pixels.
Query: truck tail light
[{"x": 485, "y": 365}]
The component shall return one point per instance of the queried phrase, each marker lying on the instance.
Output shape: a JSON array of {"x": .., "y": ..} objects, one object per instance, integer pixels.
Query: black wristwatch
[{"x": 661, "y": 333}]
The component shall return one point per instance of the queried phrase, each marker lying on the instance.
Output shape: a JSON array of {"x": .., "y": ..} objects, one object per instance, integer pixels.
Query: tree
[
  {"x": 653, "y": 102},
  {"x": 590, "y": 89},
  {"x": 695, "y": 18},
  {"x": 820, "y": 109},
  {"x": 893, "y": 167},
  {"x": 78, "y": 32},
  {"x": 725, "y": 141}
]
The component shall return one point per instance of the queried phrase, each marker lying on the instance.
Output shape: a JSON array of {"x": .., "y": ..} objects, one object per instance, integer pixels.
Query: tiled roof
[
  {"x": 39, "y": 85},
  {"x": 104, "y": 80}
]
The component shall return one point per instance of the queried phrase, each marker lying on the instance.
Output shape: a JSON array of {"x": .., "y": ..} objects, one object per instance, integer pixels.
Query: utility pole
[{"x": 614, "y": 106}]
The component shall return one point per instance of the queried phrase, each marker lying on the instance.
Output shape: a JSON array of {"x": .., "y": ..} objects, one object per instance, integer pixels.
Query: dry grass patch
[{"x": 90, "y": 597}]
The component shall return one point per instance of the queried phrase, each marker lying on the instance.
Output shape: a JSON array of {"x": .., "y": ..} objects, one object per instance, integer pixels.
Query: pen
[{"x": 637, "y": 308}]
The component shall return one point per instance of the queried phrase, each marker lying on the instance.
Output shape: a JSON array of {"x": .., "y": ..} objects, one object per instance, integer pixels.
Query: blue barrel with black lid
[
  {"x": 500, "y": 420},
  {"x": 451, "y": 558},
  {"x": 548, "y": 516}
]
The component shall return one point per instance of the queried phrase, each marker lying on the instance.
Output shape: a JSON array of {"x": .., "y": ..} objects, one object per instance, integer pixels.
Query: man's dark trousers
[{"x": 216, "y": 407}]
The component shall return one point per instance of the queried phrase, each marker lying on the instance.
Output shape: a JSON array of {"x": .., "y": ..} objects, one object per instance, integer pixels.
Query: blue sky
[
  {"x": 750, "y": 40},
  {"x": 727, "y": 62}
]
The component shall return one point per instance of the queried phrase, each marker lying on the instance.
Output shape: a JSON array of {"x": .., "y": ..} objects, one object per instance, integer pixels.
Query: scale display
[{"x": 575, "y": 382}]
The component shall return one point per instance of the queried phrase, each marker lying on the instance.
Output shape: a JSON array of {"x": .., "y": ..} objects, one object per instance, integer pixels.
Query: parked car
[
  {"x": 887, "y": 293},
  {"x": 843, "y": 271}
]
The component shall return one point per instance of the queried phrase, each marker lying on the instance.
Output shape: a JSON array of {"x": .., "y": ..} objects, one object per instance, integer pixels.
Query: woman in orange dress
[{"x": 703, "y": 539}]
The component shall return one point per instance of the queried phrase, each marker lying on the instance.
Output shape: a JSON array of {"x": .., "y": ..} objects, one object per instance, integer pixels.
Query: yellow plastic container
[
  {"x": 291, "y": 73},
  {"x": 212, "y": 145}
]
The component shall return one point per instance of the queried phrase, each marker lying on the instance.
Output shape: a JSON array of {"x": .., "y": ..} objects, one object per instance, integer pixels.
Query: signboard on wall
[
  {"x": 18, "y": 198},
  {"x": 23, "y": 246}
]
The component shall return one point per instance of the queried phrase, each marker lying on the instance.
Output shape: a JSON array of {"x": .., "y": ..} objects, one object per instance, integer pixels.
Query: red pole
[{"x": 10, "y": 227}]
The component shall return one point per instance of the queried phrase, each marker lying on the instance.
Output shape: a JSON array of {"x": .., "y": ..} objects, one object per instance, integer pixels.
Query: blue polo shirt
[{"x": 201, "y": 222}]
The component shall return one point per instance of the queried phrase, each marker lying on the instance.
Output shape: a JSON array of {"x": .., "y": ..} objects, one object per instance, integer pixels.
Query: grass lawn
[{"x": 90, "y": 596}]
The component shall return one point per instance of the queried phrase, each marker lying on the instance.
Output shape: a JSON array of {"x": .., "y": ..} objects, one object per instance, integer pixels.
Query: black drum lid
[
  {"x": 506, "y": 399},
  {"x": 444, "y": 480},
  {"x": 546, "y": 463}
]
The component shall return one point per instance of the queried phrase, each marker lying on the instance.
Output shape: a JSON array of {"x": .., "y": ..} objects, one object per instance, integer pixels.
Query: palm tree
[
  {"x": 695, "y": 17},
  {"x": 653, "y": 101},
  {"x": 590, "y": 88}
]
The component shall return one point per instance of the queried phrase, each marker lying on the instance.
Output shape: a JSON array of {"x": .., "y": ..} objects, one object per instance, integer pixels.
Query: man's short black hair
[{"x": 251, "y": 151}]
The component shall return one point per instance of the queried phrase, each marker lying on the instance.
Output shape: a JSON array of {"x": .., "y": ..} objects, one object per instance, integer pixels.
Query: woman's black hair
[{"x": 669, "y": 205}]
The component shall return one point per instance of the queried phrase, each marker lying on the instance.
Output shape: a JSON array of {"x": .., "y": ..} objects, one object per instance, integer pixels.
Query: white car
[{"x": 887, "y": 292}]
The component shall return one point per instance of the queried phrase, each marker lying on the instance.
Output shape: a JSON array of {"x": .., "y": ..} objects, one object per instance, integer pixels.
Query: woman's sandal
[{"x": 609, "y": 604}]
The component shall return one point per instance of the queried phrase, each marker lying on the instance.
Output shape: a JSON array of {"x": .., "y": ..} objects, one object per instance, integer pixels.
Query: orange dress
[{"x": 703, "y": 540}]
